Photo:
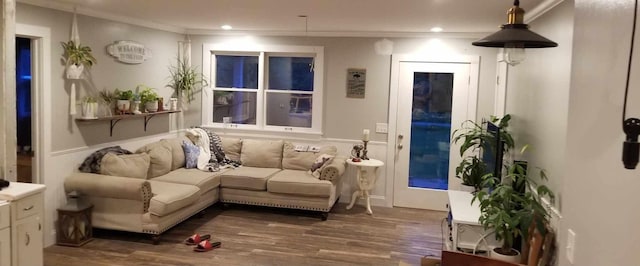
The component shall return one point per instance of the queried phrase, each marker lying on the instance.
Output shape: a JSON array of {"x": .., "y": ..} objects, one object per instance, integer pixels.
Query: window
[{"x": 277, "y": 88}]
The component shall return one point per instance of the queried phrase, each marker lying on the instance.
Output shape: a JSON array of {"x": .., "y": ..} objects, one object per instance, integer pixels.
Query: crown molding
[
  {"x": 540, "y": 10},
  {"x": 51, "y": 4},
  {"x": 371, "y": 34}
]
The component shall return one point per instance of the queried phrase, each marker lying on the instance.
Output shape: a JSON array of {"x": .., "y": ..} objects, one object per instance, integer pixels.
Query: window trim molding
[{"x": 208, "y": 50}]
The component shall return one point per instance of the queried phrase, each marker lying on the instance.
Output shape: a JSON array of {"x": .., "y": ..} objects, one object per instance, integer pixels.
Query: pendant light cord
[{"x": 633, "y": 37}]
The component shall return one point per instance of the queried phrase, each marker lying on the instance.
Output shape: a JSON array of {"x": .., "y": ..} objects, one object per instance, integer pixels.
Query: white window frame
[{"x": 209, "y": 51}]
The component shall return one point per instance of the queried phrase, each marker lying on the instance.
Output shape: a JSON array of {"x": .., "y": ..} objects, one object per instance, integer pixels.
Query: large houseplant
[
  {"x": 185, "y": 80},
  {"x": 76, "y": 58},
  {"x": 513, "y": 205},
  {"x": 473, "y": 137}
]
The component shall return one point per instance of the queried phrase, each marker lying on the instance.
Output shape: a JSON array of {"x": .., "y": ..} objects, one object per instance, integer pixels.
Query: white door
[{"x": 434, "y": 98}]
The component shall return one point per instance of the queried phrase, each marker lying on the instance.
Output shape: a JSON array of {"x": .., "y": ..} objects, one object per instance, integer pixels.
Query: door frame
[
  {"x": 472, "y": 102},
  {"x": 40, "y": 95}
]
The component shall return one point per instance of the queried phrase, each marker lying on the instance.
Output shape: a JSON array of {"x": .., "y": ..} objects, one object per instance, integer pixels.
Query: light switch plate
[
  {"x": 382, "y": 128},
  {"x": 571, "y": 245}
]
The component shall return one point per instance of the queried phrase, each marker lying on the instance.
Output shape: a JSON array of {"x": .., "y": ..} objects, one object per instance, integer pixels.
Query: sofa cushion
[
  {"x": 251, "y": 178},
  {"x": 262, "y": 153},
  {"x": 299, "y": 182},
  {"x": 177, "y": 153},
  {"x": 204, "y": 180},
  {"x": 170, "y": 197},
  {"x": 191, "y": 154},
  {"x": 232, "y": 148},
  {"x": 126, "y": 165},
  {"x": 297, "y": 160},
  {"x": 161, "y": 158}
]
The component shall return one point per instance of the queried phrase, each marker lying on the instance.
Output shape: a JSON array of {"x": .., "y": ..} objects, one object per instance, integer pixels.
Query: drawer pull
[
  {"x": 28, "y": 240},
  {"x": 28, "y": 208}
]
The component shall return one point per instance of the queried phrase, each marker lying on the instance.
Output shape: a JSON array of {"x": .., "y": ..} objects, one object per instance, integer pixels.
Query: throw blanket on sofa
[
  {"x": 211, "y": 156},
  {"x": 92, "y": 163}
]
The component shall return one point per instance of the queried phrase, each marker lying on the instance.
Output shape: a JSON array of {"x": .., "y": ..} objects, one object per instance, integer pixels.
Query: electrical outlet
[
  {"x": 571, "y": 245},
  {"x": 382, "y": 128}
]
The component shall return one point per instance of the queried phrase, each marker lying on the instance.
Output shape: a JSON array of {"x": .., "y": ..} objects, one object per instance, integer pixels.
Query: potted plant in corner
[
  {"x": 149, "y": 99},
  {"x": 473, "y": 137},
  {"x": 185, "y": 80},
  {"x": 509, "y": 212},
  {"x": 124, "y": 100},
  {"x": 76, "y": 57}
]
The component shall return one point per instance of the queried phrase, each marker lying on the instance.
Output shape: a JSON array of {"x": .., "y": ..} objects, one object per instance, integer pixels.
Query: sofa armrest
[
  {"x": 105, "y": 186},
  {"x": 334, "y": 171}
]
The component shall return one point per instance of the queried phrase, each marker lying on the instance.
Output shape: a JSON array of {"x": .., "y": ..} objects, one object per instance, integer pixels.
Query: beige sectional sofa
[{"x": 128, "y": 197}]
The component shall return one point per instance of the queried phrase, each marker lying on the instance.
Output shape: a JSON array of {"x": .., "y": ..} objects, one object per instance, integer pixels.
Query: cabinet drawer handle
[
  {"x": 28, "y": 208},
  {"x": 28, "y": 240}
]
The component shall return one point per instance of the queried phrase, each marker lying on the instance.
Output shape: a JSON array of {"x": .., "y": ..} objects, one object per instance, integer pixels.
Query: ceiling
[{"x": 329, "y": 17}]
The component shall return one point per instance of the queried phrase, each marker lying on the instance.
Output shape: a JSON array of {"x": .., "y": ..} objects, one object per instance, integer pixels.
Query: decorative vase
[
  {"x": 173, "y": 104},
  {"x": 89, "y": 110},
  {"x": 135, "y": 107},
  {"x": 123, "y": 106},
  {"x": 74, "y": 71},
  {"x": 107, "y": 109},
  {"x": 509, "y": 258},
  {"x": 151, "y": 106}
]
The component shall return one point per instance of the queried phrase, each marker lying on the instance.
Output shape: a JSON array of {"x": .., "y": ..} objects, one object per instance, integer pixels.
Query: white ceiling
[{"x": 338, "y": 17}]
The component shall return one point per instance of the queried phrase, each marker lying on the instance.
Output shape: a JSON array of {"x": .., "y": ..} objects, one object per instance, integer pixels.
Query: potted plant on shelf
[
  {"x": 124, "y": 100},
  {"x": 76, "y": 58},
  {"x": 89, "y": 108},
  {"x": 512, "y": 207},
  {"x": 185, "y": 80},
  {"x": 107, "y": 98},
  {"x": 473, "y": 137},
  {"x": 135, "y": 107},
  {"x": 149, "y": 99}
]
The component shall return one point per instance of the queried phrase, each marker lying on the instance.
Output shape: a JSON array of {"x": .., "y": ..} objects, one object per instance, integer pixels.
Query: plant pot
[
  {"x": 135, "y": 107},
  {"x": 467, "y": 188},
  {"x": 151, "y": 106},
  {"x": 123, "y": 106},
  {"x": 89, "y": 110},
  {"x": 509, "y": 258},
  {"x": 173, "y": 104},
  {"x": 74, "y": 71}
]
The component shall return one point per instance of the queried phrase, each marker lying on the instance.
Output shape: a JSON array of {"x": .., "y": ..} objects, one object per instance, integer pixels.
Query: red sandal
[
  {"x": 206, "y": 245},
  {"x": 195, "y": 239}
]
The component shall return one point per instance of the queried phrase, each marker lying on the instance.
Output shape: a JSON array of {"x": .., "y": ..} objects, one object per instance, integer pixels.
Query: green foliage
[
  {"x": 77, "y": 54},
  {"x": 123, "y": 95},
  {"x": 508, "y": 211},
  {"x": 471, "y": 170},
  {"x": 185, "y": 80},
  {"x": 107, "y": 97},
  {"x": 148, "y": 94}
]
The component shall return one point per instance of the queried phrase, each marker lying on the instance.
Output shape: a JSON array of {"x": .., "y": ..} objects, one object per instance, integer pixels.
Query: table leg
[
  {"x": 366, "y": 194},
  {"x": 354, "y": 197}
]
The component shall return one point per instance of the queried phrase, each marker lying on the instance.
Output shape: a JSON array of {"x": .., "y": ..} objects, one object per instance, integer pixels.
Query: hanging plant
[
  {"x": 185, "y": 80},
  {"x": 76, "y": 57}
]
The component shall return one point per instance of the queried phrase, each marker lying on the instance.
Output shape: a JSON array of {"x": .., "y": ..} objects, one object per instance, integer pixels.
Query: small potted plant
[
  {"x": 149, "y": 99},
  {"x": 135, "y": 107},
  {"x": 512, "y": 207},
  {"x": 107, "y": 98},
  {"x": 471, "y": 170},
  {"x": 185, "y": 80},
  {"x": 124, "y": 100},
  {"x": 76, "y": 58},
  {"x": 89, "y": 108}
]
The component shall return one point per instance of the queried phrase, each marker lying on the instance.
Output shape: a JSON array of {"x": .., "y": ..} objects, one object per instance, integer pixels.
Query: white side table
[{"x": 366, "y": 180}]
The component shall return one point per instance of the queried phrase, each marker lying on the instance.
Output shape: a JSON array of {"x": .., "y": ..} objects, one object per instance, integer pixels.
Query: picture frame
[{"x": 356, "y": 82}]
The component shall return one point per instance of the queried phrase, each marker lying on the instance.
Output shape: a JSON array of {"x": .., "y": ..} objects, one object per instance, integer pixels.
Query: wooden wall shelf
[{"x": 113, "y": 120}]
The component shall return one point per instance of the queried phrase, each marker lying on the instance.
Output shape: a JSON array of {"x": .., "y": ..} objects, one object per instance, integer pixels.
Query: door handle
[
  {"x": 27, "y": 240},
  {"x": 400, "y": 146},
  {"x": 400, "y": 137},
  {"x": 28, "y": 208}
]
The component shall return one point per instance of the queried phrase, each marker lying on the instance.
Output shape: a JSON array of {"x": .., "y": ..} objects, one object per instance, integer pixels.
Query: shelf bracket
[
  {"x": 113, "y": 124},
  {"x": 146, "y": 121}
]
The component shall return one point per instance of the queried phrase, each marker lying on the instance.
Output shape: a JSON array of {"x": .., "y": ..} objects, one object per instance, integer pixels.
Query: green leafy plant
[
  {"x": 509, "y": 211},
  {"x": 471, "y": 170},
  {"x": 108, "y": 97},
  {"x": 185, "y": 80},
  {"x": 89, "y": 99},
  {"x": 77, "y": 54},
  {"x": 123, "y": 95},
  {"x": 148, "y": 95}
]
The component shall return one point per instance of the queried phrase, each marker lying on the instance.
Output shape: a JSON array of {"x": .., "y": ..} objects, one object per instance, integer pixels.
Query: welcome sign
[{"x": 129, "y": 52}]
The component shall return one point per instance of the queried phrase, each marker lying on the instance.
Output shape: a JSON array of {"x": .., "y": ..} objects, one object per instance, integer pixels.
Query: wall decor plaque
[
  {"x": 129, "y": 52},
  {"x": 356, "y": 78}
]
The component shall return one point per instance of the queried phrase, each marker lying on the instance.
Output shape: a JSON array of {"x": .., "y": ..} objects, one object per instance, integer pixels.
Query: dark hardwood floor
[{"x": 265, "y": 236}]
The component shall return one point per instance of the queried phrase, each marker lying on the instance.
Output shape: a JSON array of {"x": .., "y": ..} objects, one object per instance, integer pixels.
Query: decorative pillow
[
  {"x": 302, "y": 160},
  {"x": 191, "y": 153},
  {"x": 127, "y": 165},
  {"x": 320, "y": 163}
]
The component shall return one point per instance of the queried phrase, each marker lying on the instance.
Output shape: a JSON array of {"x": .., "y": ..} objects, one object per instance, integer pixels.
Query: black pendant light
[{"x": 515, "y": 34}]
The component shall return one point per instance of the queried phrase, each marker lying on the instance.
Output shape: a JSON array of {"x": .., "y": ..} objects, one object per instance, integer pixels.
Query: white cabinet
[{"x": 24, "y": 214}]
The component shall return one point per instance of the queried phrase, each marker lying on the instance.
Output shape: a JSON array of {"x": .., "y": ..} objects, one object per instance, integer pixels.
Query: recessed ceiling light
[
  {"x": 226, "y": 27},
  {"x": 436, "y": 29}
]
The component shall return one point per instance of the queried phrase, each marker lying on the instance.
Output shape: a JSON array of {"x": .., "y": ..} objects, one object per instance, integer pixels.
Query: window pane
[
  {"x": 291, "y": 73},
  {"x": 239, "y": 106},
  {"x": 236, "y": 71},
  {"x": 289, "y": 109}
]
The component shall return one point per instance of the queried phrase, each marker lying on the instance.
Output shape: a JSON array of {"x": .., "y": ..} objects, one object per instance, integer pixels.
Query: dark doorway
[{"x": 23, "y": 110}]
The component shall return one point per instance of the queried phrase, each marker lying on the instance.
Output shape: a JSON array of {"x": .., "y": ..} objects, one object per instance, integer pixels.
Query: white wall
[{"x": 600, "y": 197}]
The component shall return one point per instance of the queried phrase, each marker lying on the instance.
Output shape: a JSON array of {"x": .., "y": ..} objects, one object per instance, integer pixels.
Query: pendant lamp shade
[{"x": 515, "y": 35}]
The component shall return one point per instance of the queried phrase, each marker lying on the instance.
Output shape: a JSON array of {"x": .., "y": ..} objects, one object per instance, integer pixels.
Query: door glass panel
[{"x": 430, "y": 130}]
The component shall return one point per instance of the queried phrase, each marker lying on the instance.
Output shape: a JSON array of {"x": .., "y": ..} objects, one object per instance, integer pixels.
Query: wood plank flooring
[{"x": 265, "y": 236}]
